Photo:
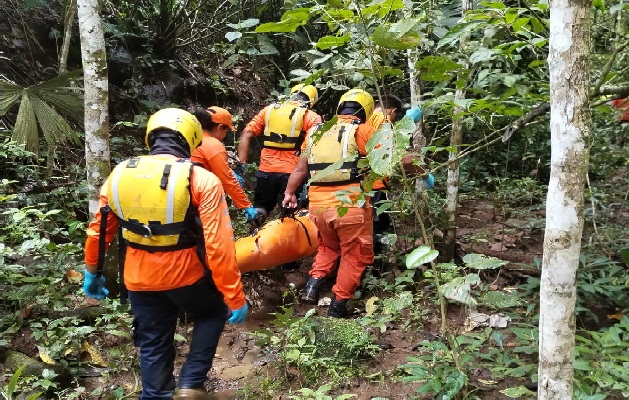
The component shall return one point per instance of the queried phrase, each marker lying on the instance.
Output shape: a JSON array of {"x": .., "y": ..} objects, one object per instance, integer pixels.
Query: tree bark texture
[
  {"x": 94, "y": 58},
  {"x": 570, "y": 125},
  {"x": 452, "y": 183}
]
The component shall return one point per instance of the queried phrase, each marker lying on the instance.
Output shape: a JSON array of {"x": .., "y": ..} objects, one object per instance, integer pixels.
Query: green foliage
[
  {"x": 601, "y": 360},
  {"x": 319, "y": 347},
  {"x": 435, "y": 370},
  {"x": 11, "y": 390},
  {"x": 322, "y": 393},
  {"x": 43, "y": 105}
]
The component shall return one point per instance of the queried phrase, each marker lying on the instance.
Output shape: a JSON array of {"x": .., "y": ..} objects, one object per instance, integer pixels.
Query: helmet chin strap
[{"x": 168, "y": 144}]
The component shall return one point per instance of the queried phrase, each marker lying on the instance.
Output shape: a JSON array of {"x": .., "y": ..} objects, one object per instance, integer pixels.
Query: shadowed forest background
[{"x": 449, "y": 311}]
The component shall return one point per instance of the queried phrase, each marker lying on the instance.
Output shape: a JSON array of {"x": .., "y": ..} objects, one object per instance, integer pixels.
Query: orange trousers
[{"x": 349, "y": 238}]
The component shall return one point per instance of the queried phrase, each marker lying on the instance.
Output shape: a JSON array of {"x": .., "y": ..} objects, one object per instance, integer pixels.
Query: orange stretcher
[{"x": 277, "y": 242}]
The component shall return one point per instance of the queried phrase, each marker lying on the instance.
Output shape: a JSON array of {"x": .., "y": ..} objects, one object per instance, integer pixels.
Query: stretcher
[{"x": 277, "y": 242}]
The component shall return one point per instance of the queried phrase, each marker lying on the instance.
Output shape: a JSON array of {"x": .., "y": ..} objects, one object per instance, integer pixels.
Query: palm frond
[
  {"x": 56, "y": 129},
  {"x": 63, "y": 81},
  {"x": 9, "y": 95},
  {"x": 25, "y": 131},
  {"x": 60, "y": 94},
  {"x": 66, "y": 103}
]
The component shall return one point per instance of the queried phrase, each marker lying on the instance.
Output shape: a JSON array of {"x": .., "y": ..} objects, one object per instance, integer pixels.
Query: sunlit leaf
[
  {"x": 234, "y": 35},
  {"x": 327, "y": 42},
  {"x": 459, "y": 289},
  {"x": 517, "y": 392},
  {"x": 419, "y": 256}
]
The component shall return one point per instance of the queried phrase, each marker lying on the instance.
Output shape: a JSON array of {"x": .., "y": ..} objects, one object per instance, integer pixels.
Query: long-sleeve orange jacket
[
  {"x": 157, "y": 271},
  {"x": 213, "y": 157}
]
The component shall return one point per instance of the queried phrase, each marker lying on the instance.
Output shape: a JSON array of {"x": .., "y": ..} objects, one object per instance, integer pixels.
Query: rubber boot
[
  {"x": 311, "y": 291},
  {"x": 192, "y": 394},
  {"x": 338, "y": 308}
]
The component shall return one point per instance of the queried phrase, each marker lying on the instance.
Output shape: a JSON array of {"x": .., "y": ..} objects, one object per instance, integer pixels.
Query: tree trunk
[
  {"x": 94, "y": 58},
  {"x": 452, "y": 183},
  {"x": 67, "y": 36},
  {"x": 418, "y": 139},
  {"x": 570, "y": 124}
]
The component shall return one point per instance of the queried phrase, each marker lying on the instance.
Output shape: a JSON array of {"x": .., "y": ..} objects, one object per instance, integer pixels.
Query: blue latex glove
[
  {"x": 238, "y": 316},
  {"x": 240, "y": 179},
  {"x": 415, "y": 113},
  {"x": 251, "y": 214},
  {"x": 94, "y": 287},
  {"x": 429, "y": 182}
]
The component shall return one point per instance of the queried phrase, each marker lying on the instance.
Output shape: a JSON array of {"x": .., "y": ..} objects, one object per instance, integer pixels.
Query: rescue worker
[
  {"x": 212, "y": 155},
  {"x": 347, "y": 239},
  {"x": 282, "y": 128},
  {"x": 385, "y": 111},
  {"x": 180, "y": 254}
]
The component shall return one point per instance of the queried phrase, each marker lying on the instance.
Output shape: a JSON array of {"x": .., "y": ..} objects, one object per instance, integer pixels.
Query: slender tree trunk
[
  {"x": 94, "y": 57},
  {"x": 418, "y": 139},
  {"x": 67, "y": 36},
  {"x": 452, "y": 184},
  {"x": 570, "y": 124}
]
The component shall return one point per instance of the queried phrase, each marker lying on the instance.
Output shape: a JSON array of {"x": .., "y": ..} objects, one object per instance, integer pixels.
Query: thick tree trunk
[
  {"x": 452, "y": 184},
  {"x": 570, "y": 124},
  {"x": 94, "y": 57}
]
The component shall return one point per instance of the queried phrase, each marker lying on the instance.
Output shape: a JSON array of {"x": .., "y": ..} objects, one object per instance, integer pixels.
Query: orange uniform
[
  {"x": 326, "y": 196},
  {"x": 159, "y": 271},
  {"x": 211, "y": 154},
  {"x": 349, "y": 237},
  {"x": 272, "y": 160}
]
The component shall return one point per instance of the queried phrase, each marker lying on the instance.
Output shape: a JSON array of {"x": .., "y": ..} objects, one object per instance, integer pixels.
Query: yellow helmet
[
  {"x": 358, "y": 96},
  {"x": 308, "y": 90},
  {"x": 178, "y": 120}
]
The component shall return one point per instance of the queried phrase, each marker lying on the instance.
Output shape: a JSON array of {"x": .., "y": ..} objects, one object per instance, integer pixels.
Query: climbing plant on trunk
[
  {"x": 96, "y": 100},
  {"x": 570, "y": 126}
]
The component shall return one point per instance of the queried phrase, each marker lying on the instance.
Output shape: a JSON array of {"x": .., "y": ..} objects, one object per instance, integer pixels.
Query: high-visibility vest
[
  {"x": 283, "y": 125},
  {"x": 336, "y": 144},
  {"x": 151, "y": 198}
]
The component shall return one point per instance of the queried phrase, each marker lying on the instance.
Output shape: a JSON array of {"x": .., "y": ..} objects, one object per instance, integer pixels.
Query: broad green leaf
[
  {"x": 459, "y": 289},
  {"x": 399, "y": 35},
  {"x": 520, "y": 23},
  {"x": 338, "y": 15},
  {"x": 437, "y": 69},
  {"x": 481, "y": 261},
  {"x": 453, "y": 384},
  {"x": 511, "y": 15},
  {"x": 291, "y": 20},
  {"x": 327, "y": 42},
  {"x": 381, "y": 9},
  {"x": 510, "y": 80},
  {"x": 455, "y": 33},
  {"x": 234, "y": 35},
  {"x": 248, "y": 23},
  {"x": 380, "y": 152},
  {"x": 481, "y": 55},
  {"x": 517, "y": 392},
  {"x": 419, "y": 256}
]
